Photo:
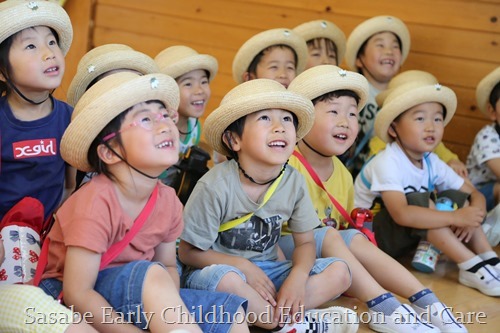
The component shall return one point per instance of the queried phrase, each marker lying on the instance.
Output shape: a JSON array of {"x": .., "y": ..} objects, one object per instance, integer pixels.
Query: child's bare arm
[
  {"x": 494, "y": 165},
  {"x": 165, "y": 253},
  {"x": 428, "y": 218}
]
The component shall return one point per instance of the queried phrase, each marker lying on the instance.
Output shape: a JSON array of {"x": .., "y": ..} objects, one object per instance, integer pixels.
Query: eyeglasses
[{"x": 147, "y": 120}]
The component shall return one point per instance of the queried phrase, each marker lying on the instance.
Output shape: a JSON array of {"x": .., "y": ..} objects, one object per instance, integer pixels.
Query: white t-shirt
[{"x": 486, "y": 147}]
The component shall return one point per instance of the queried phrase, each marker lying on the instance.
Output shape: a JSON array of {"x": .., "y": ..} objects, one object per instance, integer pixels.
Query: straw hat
[
  {"x": 323, "y": 29},
  {"x": 103, "y": 59},
  {"x": 104, "y": 101},
  {"x": 403, "y": 78},
  {"x": 253, "y": 96},
  {"x": 368, "y": 28},
  {"x": 179, "y": 60},
  {"x": 319, "y": 80},
  {"x": 17, "y": 15},
  {"x": 485, "y": 87},
  {"x": 252, "y": 47},
  {"x": 409, "y": 95}
]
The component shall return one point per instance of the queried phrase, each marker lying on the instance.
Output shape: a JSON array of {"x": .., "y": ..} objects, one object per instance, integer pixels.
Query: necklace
[
  {"x": 268, "y": 182},
  {"x": 191, "y": 131}
]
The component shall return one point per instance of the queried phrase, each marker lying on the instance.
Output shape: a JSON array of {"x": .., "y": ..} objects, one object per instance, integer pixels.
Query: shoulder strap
[
  {"x": 233, "y": 223},
  {"x": 318, "y": 182}
]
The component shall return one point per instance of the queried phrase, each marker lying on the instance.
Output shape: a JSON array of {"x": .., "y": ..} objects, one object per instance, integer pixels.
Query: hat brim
[
  {"x": 191, "y": 63},
  {"x": 252, "y": 47},
  {"x": 375, "y": 25},
  {"x": 19, "y": 15},
  {"x": 104, "y": 101},
  {"x": 408, "y": 98},
  {"x": 320, "y": 80},
  {"x": 485, "y": 87},
  {"x": 235, "y": 106},
  {"x": 103, "y": 63}
]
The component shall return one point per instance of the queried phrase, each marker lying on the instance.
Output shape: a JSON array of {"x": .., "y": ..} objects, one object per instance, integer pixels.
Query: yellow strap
[{"x": 233, "y": 223}]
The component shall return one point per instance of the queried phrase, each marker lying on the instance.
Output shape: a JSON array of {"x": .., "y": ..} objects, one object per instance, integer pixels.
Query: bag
[
  {"x": 192, "y": 166},
  {"x": 23, "y": 230}
]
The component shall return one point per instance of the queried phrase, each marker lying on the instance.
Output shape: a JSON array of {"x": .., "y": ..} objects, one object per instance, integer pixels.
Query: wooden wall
[{"x": 456, "y": 40}]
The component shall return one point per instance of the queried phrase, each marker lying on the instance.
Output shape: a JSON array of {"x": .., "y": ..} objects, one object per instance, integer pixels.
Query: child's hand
[
  {"x": 464, "y": 234},
  {"x": 469, "y": 216},
  {"x": 291, "y": 300},
  {"x": 259, "y": 281},
  {"x": 459, "y": 168}
]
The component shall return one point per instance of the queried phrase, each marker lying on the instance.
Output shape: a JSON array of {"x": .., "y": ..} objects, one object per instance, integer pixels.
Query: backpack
[{"x": 23, "y": 230}]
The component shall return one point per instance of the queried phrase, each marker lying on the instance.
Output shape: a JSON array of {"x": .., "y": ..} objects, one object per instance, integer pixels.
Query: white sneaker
[
  {"x": 403, "y": 320},
  {"x": 440, "y": 316},
  {"x": 491, "y": 226},
  {"x": 335, "y": 319},
  {"x": 486, "y": 280}
]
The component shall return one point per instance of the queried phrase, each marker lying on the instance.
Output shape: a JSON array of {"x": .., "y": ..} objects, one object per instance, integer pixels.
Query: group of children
[{"x": 263, "y": 236}]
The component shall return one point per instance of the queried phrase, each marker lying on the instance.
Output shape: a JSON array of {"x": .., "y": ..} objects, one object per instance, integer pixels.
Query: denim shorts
[
  {"x": 209, "y": 277},
  {"x": 211, "y": 310},
  {"x": 487, "y": 191},
  {"x": 287, "y": 245}
]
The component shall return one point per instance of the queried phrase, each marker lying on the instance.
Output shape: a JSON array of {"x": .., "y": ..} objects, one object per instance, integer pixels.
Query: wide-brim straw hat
[
  {"x": 179, "y": 59},
  {"x": 105, "y": 100},
  {"x": 485, "y": 87},
  {"x": 17, "y": 15},
  {"x": 372, "y": 26},
  {"x": 103, "y": 59},
  {"x": 323, "y": 29},
  {"x": 261, "y": 41},
  {"x": 408, "y": 95},
  {"x": 252, "y": 96},
  {"x": 320, "y": 80},
  {"x": 404, "y": 78}
]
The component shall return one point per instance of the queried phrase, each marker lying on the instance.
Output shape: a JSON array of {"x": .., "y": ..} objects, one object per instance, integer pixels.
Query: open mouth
[
  {"x": 278, "y": 144},
  {"x": 388, "y": 62},
  {"x": 340, "y": 137},
  {"x": 165, "y": 144},
  {"x": 52, "y": 69}
]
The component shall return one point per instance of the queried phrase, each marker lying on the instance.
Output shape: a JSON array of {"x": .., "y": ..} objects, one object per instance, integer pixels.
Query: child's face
[
  {"x": 381, "y": 59},
  {"x": 494, "y": 111},
  {"x": 150, "y": 139},
  {"x": 268, "y": 138},
  {"x": 335, "y": 125},
  {"x": 420, "y": 129},
  {"x": 194, "y": 93},
  {"x": 321, "y": 53},
  {"x": 37, "y": 61},
  {"x": 277, "y": 64}
]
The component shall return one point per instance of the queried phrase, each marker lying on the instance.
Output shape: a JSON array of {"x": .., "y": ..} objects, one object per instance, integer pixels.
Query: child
[
  {"x": 34, "y": 37},
  {"x": 376, "y": 144},
  {"x": 27, "y": 306},
  {"x": 193, "y": 73},
  {"x": 104, "y": 60},
  {"x": 399, "y": 184},
  {"x": 483, "y": 162},
  {"x": 123, "y": 129},
  {"x": 257, "y": 125},
  {"x": 325, "y": 42},
  {"x": 338, "y": 96}
]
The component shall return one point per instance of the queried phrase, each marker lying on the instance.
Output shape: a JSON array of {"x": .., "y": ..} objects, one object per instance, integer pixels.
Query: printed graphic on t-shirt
[
  {"x": 256, "y": 234},
  {"x": 34, "y": 148}
]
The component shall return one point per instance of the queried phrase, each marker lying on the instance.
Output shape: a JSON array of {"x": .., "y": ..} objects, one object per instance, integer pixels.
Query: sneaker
[
  {"x": 486, "y": 280},
  {"x": 335, "y": 319},
  {"x": 440, "y": 316},
  {"x": 491, "y": 226},
  {"x": 403, "y": 320}
]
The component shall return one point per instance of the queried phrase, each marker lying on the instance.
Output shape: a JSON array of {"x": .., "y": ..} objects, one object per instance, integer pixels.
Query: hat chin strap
[
  {"x": 11, "y": 84},
  {"x": 127, "y": 163}
]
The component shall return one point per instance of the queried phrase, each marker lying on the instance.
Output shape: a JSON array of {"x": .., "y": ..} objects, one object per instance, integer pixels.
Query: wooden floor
[{"x": 481, "y": 313}]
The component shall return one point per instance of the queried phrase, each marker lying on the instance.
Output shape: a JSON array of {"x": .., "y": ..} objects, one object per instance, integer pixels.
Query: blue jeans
[{"x": 122, "y": 287}]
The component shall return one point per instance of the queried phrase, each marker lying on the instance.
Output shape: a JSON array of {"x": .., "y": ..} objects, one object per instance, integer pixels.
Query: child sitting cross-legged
[
  {"x": 401, "y": 182},
  {"x": 235, "y": 213}
]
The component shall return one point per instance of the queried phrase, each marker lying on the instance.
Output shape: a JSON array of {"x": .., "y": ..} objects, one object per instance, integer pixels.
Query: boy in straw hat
[
  {"x": 123, "y": 129},
  {"x": 483, "y": 161},
  {"x": 235, "y": 213},
  {"x": 376, "y": 144},
  {"x": 400, "y": 182},
  {"x": 22, "y": 304},
  {"x": 376, "y": 48},
  {"x": 325, "y": 42},
  {"x": 34, "y": 38},
  {"x": 100, "y": 62},
  {"x": 338, "y": 96}
]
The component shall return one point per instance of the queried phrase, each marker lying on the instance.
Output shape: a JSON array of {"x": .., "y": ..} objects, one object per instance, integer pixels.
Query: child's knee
[
  {"x": 231, "y": 282},
  {"x": 339, "y": 271}
]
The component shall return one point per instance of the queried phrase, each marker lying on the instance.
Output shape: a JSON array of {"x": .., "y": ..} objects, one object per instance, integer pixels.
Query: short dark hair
[
  {"x": 495, "y": 95},
  {"x": 252, "y": 68},
  {"x": 336, "y": 94}
]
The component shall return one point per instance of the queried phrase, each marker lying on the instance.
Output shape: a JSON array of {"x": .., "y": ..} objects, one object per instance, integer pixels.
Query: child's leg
[{"x": 446, "y": 241}]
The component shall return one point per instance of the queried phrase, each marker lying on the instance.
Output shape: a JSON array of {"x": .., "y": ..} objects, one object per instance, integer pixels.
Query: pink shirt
[{"x": 92, "y": 218}]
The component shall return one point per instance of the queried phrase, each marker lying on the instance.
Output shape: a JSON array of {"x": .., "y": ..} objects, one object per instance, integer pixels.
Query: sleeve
[
  {"x": 304, "y": 217},
  {"x": 487, "y": 144},
  {"x": 385, "y": 174},
  {"x": 177, "y": 221},
  {"x": 443, "y": 176},
  {"x": 376, "y": 144},
  {"x": 444, "y": 153}
]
